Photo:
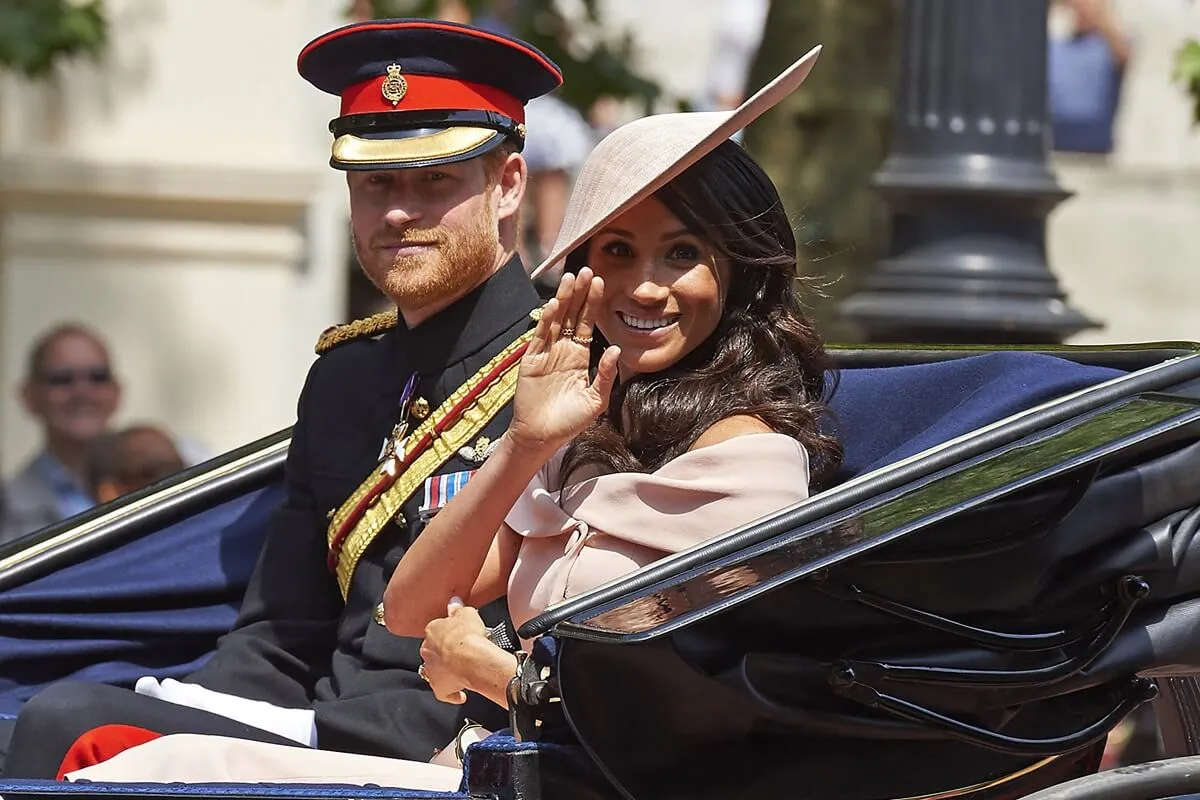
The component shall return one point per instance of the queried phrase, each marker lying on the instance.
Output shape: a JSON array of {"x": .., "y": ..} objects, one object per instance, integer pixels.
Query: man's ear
[{"x": 514, "y": 176}]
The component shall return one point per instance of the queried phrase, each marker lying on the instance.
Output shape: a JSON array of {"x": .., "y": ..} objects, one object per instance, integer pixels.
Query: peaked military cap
[{"x": 418, "y": 92}]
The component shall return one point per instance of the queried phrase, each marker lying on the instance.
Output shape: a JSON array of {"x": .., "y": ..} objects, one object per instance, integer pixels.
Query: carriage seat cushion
[
  {"x": 151, "y": 606},
  {"x": 886, "y": 414}
]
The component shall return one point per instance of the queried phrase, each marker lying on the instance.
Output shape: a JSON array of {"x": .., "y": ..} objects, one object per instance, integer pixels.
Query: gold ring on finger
[
  {"x": 586, "y": 341},
  {"x": 567, "y": 333}
]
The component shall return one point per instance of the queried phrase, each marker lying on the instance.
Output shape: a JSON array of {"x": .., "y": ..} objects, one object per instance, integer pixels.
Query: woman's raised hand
[{"x": 556, "y": 398}]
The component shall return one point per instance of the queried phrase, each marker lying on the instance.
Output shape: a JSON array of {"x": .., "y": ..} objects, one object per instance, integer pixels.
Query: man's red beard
[{"x": 452, "y": 265}]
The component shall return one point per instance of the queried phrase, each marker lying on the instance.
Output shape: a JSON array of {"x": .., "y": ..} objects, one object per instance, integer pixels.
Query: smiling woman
[{"x": 700, "y": 295}]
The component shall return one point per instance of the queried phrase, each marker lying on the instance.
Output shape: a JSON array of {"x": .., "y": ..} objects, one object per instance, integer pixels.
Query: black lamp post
[{"x": 967, "y": 183}]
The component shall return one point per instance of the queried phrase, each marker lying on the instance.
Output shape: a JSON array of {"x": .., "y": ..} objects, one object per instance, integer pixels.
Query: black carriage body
[{"x": 978, "y": 596}]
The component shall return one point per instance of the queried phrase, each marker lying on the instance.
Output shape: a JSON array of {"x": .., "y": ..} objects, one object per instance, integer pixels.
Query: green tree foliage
[
  {"x": 36, "y": 34},
  {"x": 1187, "y": 72},
  {"x": 596, "y": 62}
]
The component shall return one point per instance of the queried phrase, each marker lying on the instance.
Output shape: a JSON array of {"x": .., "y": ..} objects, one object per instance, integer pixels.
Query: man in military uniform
[{"x": 393, "y": 418}]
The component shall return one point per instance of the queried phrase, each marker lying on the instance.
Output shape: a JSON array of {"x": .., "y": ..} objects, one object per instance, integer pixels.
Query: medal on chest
[
  {"x": 408, "y": 458},
  {"x": 393, "y": 443}
]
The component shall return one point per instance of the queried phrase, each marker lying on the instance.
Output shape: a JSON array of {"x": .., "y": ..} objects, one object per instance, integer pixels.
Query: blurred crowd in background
[{"x": 72, "y": 393}]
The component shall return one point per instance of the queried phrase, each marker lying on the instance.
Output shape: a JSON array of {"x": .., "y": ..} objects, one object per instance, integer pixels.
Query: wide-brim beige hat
[{"x": 639, "y": 158}]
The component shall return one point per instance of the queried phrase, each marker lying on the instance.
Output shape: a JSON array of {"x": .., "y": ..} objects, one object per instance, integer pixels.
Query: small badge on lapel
[
  {"x": 440, "y": 488},
  {"x": 478, "y": 453}
]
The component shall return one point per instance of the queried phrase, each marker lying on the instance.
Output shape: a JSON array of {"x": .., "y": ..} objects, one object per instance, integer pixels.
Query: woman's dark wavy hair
[{"x": 764, "y": 359}]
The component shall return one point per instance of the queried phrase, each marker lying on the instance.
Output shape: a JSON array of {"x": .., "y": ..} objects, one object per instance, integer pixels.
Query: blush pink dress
[
  {"x": 595, "y": 531},
  {"x": 608, "y": 526}
]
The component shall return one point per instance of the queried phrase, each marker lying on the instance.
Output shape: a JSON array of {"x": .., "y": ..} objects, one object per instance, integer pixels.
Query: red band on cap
[{"x": 430, "y": 93}]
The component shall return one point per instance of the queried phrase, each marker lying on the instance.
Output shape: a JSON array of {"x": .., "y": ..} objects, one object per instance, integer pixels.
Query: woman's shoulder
[
  {"x": 731, "y": 428},
  {"x": 746, "y": 438}
]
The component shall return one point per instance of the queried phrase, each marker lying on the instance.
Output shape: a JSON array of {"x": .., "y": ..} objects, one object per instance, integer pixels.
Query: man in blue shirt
[
  {"x": 71, "y": 390},
  {"x": 1086, "y": 67}
]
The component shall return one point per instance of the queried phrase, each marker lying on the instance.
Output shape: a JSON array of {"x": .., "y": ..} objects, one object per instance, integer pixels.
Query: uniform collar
[{"x": 470, "y": 323}]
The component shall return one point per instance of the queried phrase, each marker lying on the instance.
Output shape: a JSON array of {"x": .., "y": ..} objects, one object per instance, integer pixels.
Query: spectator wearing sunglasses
[{"x": 70, "y": 389}]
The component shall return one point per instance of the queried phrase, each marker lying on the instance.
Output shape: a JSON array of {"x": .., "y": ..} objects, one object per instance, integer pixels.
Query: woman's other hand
[
  {"x": 458, "y": 657},
  {"x": 556, "y": 397}
]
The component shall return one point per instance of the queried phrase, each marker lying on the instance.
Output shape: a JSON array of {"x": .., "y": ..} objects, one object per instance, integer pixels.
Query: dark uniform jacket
[{"x": 296, "y": 643}]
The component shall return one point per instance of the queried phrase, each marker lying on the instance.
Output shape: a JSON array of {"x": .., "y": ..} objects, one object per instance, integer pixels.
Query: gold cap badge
[{"x": 394, "y": 86}]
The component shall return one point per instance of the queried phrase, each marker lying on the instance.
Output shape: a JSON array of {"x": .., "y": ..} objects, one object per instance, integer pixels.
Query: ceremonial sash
[{"x": 454, "y": 423}]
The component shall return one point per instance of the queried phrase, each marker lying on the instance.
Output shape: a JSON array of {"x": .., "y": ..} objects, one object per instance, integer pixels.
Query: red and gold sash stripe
[{"x": 390, "y": 485}]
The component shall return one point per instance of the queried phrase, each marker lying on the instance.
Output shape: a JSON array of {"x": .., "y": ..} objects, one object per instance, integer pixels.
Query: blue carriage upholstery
[
  {"x": 886, "y": 414},
  {"x": 151, "y": 606}
]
